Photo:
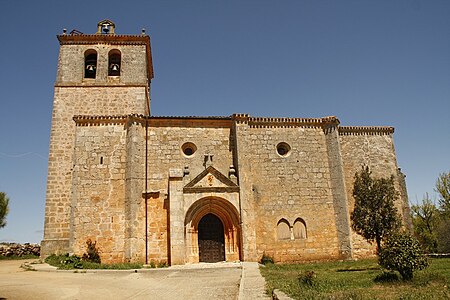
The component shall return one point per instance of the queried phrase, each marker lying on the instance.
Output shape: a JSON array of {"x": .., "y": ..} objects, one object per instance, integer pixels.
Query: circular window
[
  {"x": 283, "y": 149},
  {"x": 188, "y": 149}
]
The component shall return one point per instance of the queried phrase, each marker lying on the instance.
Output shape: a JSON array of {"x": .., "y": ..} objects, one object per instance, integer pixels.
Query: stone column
[
  {"x": 247, "y": 204},
  {"x": 134, "y": 240},
  {"x": 176, "y": 217},
  {"x": 338, "y": 190}
]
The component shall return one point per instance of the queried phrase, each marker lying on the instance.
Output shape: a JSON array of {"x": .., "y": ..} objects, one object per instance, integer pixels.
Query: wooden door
[{"x": 211, "y": 241}]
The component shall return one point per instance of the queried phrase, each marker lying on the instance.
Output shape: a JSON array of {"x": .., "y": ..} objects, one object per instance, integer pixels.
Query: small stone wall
[{"x": 10, "y": 249}]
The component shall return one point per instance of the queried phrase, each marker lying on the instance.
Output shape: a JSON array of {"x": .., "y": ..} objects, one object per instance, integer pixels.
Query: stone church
[{"x": 182, "y": 190}]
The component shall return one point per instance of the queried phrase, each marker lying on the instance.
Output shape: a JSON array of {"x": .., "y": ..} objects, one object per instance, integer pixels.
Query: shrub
[
  {"x": 152, "y": 264},
  {"x": 307, "y": 278},
  {"x": 92, "y": 254},
  {"x": 266, "y": 259},
  {"x": 386, "y": 277},
  {"x": 402, "y": 253},
  {"x": 65, "y": 261},
  {"x": 73, "y": 262}
]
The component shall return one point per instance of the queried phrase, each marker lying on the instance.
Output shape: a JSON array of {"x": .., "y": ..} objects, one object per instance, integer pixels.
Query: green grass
[
  {"x": 15, "y": 257},
  {"x": 118, "y": 266},
  {"x": 355, "y": 280},
  {"x": 66, "y": 262}
]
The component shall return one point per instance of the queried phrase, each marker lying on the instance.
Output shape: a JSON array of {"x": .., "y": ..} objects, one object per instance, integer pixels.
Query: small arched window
[
  {"x": 90, "y": 64},
  {"x": 114, "y": 63},
  {"x": 283, "y": 230},
  {"x": 299, "y": 229}
]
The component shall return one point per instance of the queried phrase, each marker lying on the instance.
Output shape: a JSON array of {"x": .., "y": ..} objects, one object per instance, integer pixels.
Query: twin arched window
[
  {"x": 90, "y": 63},
  {"x": 296, "y": 232}
]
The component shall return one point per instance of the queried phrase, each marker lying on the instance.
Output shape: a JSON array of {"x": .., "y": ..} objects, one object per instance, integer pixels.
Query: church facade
[{"x": 194, "y": 189}]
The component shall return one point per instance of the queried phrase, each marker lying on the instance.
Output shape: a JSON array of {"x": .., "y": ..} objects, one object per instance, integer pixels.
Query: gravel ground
[{"x": 177, "y": 283}]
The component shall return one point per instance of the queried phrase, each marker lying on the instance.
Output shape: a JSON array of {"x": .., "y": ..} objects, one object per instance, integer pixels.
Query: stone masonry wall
[
  {"x": 75, "y": 95},
  {"x": 296, "y": 186},
  {"x": 70, "y": 101},
  {"x": 375, "y": 150},
  {"x": 164, "y": 153},
  {"x": 108, "y": 181},
  {"x": 98, "y": 202},
  {"x": 312, "y": 182}
]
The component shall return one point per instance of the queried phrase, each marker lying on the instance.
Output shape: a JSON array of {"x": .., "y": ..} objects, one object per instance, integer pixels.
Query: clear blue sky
[{"x": 367, "y": 62}]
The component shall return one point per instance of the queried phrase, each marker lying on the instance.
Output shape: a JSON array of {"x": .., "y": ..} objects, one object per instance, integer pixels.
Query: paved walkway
[
  {"x": 252, "y": 283},
  {"x": 196, "y": 281}
]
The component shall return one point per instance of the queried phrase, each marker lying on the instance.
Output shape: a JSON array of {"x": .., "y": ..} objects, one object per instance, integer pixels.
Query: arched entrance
[
  {"x": 212, "y": 231},
  {"x": 211, "y": 240}
]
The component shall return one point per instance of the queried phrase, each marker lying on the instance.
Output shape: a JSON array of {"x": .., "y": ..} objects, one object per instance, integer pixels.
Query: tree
[
  {"x": 443, "y": 189},
  {"x": 402, "y": 253},
  {"x": 4, "y": 209},
  {"x": 425, "y": 218},
  {"x": 374, "y": 215},
  {"x": 431, "y": 223}
]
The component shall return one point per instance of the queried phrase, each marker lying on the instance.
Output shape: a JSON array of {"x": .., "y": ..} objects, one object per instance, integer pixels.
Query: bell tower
[{"x": 98, "y": 74}]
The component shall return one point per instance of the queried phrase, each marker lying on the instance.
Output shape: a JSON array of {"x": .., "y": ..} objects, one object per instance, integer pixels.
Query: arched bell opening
[
  {"x": 114, "y": 62},
  {"x": 209, "y": 212},
  {"x": 90, "y": 64}
]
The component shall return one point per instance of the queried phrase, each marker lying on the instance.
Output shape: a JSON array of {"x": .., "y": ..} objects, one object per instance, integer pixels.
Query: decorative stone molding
[
  {"x": 265, "y": 122},
  {"x": 81, "y": 120},
  {"x": 327, "y": 123},
  {"x": 99, "y": 120},
  {"x": 229, "y": 185}
]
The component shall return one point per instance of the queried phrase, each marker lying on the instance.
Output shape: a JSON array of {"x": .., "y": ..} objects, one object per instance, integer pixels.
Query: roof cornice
[
  {"x": 81, "y": 120},
  {"x": 366, "y": 130},
  {"x": 262, "y": 122},
  {"x": 221, "y": 121}
]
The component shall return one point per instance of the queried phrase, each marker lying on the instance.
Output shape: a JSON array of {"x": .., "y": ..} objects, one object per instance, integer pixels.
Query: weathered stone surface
[
  {"x": 140, "y": 185},
  {"x": 14, "y": 249}
]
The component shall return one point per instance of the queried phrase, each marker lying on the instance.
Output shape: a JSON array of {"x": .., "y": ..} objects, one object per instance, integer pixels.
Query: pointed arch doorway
[
  {"x": 211, "y": 239},
  {"x": 212, "y": 231}
]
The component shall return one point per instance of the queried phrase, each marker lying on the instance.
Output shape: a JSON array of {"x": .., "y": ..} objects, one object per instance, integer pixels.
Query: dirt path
[{"x": 202, "y": 283}]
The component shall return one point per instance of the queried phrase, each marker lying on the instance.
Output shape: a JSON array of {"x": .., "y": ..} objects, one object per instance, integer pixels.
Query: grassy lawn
[{"x": 355, "y": 280}]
